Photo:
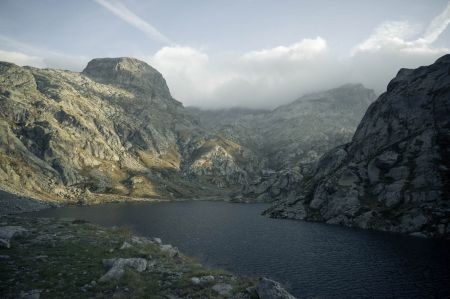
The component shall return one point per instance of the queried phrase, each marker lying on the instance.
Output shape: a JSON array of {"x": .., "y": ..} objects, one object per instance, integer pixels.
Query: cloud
[
  {"x": 398, "y": 36},
  {"x": 21, "y": 58},
  {"x": 20, "y": 53},
  {"x": 121, "y": 11},
  {"x": 395, "y": 45},
  {"x": 436, "y": 27},
  {"x": 303, "y": 50},
  {"x": 190, "y": 70},
  {"x": 266, "y": 78},
  {"x": 263, "y": 78}
]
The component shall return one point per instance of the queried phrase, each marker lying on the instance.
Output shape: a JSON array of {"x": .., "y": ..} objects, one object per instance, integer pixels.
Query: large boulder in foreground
[{"x": 395, "y": 173}]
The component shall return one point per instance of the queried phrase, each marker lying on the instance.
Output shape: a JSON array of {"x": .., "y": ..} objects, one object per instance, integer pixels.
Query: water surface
[{"x": 310, "y": 259}]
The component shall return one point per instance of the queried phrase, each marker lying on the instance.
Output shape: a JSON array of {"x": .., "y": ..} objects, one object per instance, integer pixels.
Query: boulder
[
  {"x": 7, "y": 233},
  {"x": 118, "y": 266},
  {"x": 223, "y": 289},
  {"x": 169, "y": 249},
  {"x": 269, "y": 289}
]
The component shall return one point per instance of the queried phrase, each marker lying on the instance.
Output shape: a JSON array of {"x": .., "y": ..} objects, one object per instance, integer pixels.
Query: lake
[{"x": 312, "y": 260}]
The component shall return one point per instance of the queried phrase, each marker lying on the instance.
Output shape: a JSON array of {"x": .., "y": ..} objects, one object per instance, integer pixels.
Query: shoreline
[
  {"x": 14, "y": 204},
  {"x": 54, "y": 257}
]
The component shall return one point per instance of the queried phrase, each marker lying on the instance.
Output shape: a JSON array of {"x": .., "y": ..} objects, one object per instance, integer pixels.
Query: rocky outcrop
[
  {"x": 113, "y": 130},
  {"x": 130, "y": 74},
  {"x": 117, "y": 267},
  {"x": 269, "y": 289},
  {"x": 394, "y": 175}
]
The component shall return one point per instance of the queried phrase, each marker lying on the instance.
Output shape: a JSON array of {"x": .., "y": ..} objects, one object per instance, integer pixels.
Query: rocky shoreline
[{"x": 55, "y": 258}]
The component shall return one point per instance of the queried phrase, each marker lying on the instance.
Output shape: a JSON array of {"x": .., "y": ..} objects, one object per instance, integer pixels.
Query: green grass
[{"x": 74, "y": 253}]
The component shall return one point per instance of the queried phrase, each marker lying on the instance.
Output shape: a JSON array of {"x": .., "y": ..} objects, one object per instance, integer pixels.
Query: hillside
[{"x": 113, "y": 130}]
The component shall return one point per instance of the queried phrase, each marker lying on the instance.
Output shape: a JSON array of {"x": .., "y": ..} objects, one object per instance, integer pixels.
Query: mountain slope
[
  {"x": 113, "y": 130},
  {"x": 290, "y": 138},
  {"x": 395, "y": 173},
  {"x": 296, "y": 133}
]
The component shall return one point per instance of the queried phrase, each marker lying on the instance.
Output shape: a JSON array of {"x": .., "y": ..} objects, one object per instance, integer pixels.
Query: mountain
[
  {"x": 113, "y": 130},
  {"x": 394, "y": 175},
  {"x": 290, "y": 138},
  {"x": 298, "y": 132}
]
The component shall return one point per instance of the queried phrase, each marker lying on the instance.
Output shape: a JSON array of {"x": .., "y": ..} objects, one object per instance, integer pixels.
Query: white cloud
[
  {"x": 274, "y": 76},
  {"x": 121, "y": 11},
  {"x": 188, "y": 71},
  {"x": 303, "y": 50},
  {"x": 388, "y": 34},
  {"x": 265, "y": 77},
  {"x": 21, "y": 59},
  {"x": 15, "y": 51},
  {"x": 262, "y": 78},
  {"x": 395, "y": 45},
  {"x": 436, "y": 27}
]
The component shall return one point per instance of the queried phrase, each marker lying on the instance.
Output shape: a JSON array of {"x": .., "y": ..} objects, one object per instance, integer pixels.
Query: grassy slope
[{"x": 62, "y": 257}]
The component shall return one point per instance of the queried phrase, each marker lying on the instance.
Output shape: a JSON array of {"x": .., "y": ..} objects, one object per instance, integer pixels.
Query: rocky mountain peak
[{"x": 128, "y": 73}]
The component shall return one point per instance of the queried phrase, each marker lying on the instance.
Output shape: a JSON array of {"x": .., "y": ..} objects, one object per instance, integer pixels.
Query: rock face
[
  {"x": 394, "y": 175},
  {"x": 128, "y": 73},
  {"x": 113, "y": 130}
]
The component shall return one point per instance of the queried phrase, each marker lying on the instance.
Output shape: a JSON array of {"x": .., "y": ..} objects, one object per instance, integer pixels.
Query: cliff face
[
  {"x": 394, "y": 175},
  {"x": 113, "y": 130}
]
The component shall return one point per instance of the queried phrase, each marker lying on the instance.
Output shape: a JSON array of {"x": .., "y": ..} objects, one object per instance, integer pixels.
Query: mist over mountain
[{"x": 295, "y": 133}]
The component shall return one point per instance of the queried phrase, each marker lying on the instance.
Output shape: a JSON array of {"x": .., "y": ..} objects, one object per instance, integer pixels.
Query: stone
[
  {"x": 119, "y": 265},
  {"x": 206, "y": 279},
  {"x": 7, "y": 233},
  {"x": 269, "y": 289},
  {"x": 223, "y": 289},
  {"x": 125, "y": 245},
  {"x": 169, "y": 249},
  {"x": 195, "y": 280}
]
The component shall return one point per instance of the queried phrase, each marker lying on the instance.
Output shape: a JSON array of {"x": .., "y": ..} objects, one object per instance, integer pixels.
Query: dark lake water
[{"x": 310, "y": 259}]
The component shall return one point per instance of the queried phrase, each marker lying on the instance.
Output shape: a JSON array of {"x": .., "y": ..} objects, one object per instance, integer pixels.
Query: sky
[{"x": 230, "y": 53}]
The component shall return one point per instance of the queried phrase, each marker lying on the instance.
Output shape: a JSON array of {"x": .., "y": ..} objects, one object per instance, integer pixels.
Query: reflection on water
[{"x": 311, "y": 259}]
